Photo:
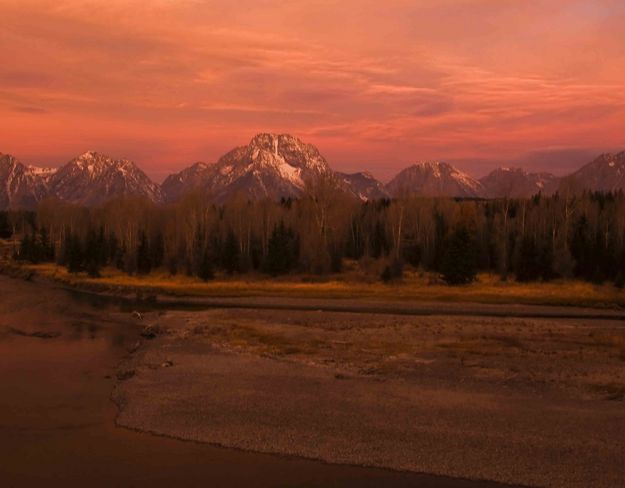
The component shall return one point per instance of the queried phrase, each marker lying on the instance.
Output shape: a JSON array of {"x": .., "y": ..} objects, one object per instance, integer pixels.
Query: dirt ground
[
  {"x": 531, "y": 401},
  {"x": 59, "y": 357}
]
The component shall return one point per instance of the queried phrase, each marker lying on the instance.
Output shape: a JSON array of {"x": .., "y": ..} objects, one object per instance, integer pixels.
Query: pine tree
[
  {"x": 582, "y": 249},
  {"x": 73, "y": 253},
  {"x": 230, "y": 254},
  {"x": 112, "y": 249},
  {"x": 26, "y": 245},
  {"x": 281, "y": 251},
  {"x": 144, "y": 262},
  {"x": 6, "y": 231},
  {"x": 205, "y": 269},
  {"x": 93, "y": 254},
  {"x": 459, "y": 263},
  {"x": 157, "y": 250},
  {"x": 45, "y": 246},
  {"x": 528, "y": 266}
]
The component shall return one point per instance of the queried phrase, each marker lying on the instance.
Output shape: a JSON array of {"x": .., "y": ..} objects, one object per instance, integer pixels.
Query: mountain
[
  {"x": 363, "y": 186},
  {"x": 270, "y": 166},
  {"x": 92, "y": 178},
  {"x": 274, "y": 166},
  {"x": 434, "y": 179},
  {"x": 20, "y": 186},
  {"x": 518, "y": 183},
  {"x": 605, "y": 173},
  {"x": 198, "y": 176}
]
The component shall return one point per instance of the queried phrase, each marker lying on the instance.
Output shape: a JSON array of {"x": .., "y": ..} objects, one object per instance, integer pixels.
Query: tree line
[{"x": 536, "y": 239}]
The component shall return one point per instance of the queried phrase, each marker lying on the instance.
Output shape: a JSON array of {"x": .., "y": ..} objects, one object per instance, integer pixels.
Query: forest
[{"x": 538, "y": 239}]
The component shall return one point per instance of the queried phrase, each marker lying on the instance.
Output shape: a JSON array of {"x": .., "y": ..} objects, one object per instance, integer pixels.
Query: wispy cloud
[{"x": 367, "y": 82}]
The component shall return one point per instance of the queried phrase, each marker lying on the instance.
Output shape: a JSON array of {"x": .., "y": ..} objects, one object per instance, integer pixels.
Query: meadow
[{"x": 414, "y": 286}]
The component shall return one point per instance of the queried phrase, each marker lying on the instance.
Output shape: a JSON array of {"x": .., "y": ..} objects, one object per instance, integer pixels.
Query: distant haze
[{"x": 374, "y": 85}]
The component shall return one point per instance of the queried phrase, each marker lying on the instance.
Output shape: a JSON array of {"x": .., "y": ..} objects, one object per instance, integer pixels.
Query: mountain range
[{"x": 279, "y": 166}]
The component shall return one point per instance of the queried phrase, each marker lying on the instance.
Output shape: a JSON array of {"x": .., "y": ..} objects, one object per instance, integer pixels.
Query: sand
[{"x": 526, "y": 401}]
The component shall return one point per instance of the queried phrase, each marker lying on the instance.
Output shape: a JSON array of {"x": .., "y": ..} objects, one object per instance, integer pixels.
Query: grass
[{"x": 415, "y": 287}]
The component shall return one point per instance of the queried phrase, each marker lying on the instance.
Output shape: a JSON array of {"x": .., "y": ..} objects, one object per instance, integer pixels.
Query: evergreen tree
[
  {"x": 582, "y": 249},
  {"x": 144, "y": 261},
  {"x": 230, "y": 254},
  {"x": 6, "y": 231},
  {"x": 379, "y": 241},
  {"x": 157, "y": 250},
  {"x": 459, "y": 262},
  {"x": 73, "y": 253},
  {"x": 45, "y": 246},
  {"x": 528, "y": 266},
  {"x": 546, "y": 261},
  {"x": 26, "y": 244},
  {"x": 112, "y": 249},
  {"x": 120, "y": 258},
  {"x": 93, "y": 254},
  {"x": 440, "y": 236},
  {"x": 205, "y": 269},
  {"x": 281, "y": 251}
]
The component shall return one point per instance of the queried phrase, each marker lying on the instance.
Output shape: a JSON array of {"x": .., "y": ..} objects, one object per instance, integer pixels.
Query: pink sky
[{"x": 374, "y": 85}]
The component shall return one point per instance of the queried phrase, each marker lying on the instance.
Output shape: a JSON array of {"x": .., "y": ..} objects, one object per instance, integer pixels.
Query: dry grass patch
[{"x": 415, "y": 287}]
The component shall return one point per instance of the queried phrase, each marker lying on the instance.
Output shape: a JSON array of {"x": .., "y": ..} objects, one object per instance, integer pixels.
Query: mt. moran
[{"x": 270, "y": 166}]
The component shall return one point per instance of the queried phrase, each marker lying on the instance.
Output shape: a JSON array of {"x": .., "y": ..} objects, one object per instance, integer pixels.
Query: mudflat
[
  {"x": 59, "y": 357},
  {"x": 535, "y": 398},
  {"x": 520, "y": 400}
]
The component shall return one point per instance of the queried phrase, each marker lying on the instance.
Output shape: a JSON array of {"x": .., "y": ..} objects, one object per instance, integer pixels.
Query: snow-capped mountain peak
[
  {"x": 605, "y": 173},
  {"x": 20, "y": 186},
  {"x": 92, "y": 178},
  {"x": 517, "y": 183},
  {"x": 433, "y": 179},
  {"x": 279, "y": 165},
  {"x": 363, "y": 186},
  {"x": 270, "y": 166}
]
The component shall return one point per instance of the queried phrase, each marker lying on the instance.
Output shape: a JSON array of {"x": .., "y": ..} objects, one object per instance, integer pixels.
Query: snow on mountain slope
[
  {"x": 605, "y": 173},
  {"x": 92, "y": 178},
  {"x": 434, "y": 179},
  {"x": 20, "y": 186},
  {"x": 270, "y": 166},
  {"x": 195, "y": 177},
  {"x": 274, "y": 166},
  {"x": 518, "y": 183},
  {"x": 363, "y": 186}
]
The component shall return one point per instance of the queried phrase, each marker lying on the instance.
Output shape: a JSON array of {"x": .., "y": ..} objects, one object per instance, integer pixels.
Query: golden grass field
[{"x": 488, "y": 288}]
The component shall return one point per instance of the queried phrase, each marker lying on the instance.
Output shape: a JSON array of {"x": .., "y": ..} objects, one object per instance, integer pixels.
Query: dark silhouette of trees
[
  {"x": 282, "y": 251},
  {"x": 567, "y": 235},
  {"x": 459, "y": 263},
  {"x": 6, "y": 230},
  {"x": 230, "y": 253},
  {"x": 205, "y": 267},
  {"x": 36, "y": 247},
  {"x": 144, "y": 258}
]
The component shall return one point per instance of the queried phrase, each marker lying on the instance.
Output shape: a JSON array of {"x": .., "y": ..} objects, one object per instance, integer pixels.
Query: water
[{"x": 57, "y": 420}]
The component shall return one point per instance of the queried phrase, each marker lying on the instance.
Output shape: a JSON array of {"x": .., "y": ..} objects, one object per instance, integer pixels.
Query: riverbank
[
  {"x": 415, "y": 287},
  {"x": 60, "y": 359},
  {"x": 535, "y": 402},
  {"x": 518, "y": 400}
]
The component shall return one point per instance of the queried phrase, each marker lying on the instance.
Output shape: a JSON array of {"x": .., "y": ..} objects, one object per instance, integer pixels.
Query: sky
[{"x": 375, "y": 85}]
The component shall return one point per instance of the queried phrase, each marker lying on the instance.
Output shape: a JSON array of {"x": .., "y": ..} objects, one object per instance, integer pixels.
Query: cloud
[{"x": 474, "y": 80}]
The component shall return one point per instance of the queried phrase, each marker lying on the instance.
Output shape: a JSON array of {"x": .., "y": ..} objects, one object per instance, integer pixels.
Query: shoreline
[
  {"x": 77, "y": 412},
  {"x": 490, "y": 296},
  {"x": 465, "y": 397},
  {"x": 302, "y": 383}
]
